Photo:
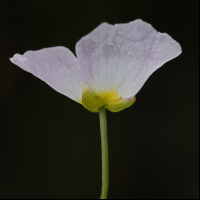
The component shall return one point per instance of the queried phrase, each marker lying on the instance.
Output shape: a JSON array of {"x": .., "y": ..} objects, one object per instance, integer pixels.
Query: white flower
[{"x": 113, "y": 62}]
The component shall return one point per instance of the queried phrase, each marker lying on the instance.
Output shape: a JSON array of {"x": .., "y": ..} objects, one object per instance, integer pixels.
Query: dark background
[{"x": 50, "y": 145}]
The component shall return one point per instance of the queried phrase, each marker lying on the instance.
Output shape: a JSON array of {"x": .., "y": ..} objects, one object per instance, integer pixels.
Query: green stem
[{"x": 104, "y": 149}]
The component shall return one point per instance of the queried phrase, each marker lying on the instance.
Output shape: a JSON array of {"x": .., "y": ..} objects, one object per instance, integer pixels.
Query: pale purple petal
[
  {"x": 123, "y": 56},
  {"x": 57, "y": 66}
]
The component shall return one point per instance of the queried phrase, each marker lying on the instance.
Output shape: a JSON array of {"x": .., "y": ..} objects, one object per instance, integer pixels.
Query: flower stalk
[{"x": 104, "y": 150}]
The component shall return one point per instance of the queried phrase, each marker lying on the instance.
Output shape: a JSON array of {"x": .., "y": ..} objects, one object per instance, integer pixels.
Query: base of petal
[
  {"x": 93, "y": 100},
  {"x": 120, "y": 104},
  {"x": 95, "y": 110}
]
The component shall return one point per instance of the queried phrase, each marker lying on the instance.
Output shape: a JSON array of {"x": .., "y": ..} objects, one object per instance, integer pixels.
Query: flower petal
[
  {"x": 57, "y": 66},
  {"x": 123, "y": 56}
]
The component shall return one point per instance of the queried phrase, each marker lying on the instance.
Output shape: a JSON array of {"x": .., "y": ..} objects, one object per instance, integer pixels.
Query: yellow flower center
[{"x": 92, "y": 100}]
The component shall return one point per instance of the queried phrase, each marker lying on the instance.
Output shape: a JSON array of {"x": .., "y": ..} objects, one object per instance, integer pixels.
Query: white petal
[
  {"x": 123, "y": 56},
  {"x": 57, "y": 66}
]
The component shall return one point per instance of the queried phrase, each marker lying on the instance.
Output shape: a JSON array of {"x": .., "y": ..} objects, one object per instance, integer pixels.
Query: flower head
[{"x": 113, "y": 62}]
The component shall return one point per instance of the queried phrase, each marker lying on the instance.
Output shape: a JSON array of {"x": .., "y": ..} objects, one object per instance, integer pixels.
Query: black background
[{"x": 50, "y": 145}]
